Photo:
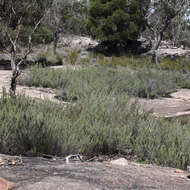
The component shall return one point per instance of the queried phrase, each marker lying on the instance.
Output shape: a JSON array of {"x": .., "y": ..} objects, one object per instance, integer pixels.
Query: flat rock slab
[
  {"x": 182, "y": 94},
  {"x": 41, "y": 174},
  {"x": 177, "y": 105}
]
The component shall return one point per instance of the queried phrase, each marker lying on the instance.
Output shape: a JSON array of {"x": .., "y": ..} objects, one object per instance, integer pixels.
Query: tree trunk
[
  {"x": 13, "y": 85},
  {"x": 55, "y": 40},
  {"x": 15, "y": 74},
  {"x": 156, "y": 45},
  {"x": 155, "y": 56}
]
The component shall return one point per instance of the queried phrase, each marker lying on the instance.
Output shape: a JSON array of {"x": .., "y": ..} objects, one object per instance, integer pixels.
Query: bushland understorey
[{"x": 101, "y": 120}]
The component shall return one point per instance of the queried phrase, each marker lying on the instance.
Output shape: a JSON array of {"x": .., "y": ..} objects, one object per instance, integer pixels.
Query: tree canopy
[
  {"x": 15, "y": 15},
  {"x": 116, "y": 21}
]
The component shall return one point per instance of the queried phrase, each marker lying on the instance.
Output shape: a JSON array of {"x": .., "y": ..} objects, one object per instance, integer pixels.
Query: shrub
[
  {"x": 72, "y": 56},
  {"x": 59, "y": 58},
  {"x": 47, "y": 58},
  {"x": 130, "y": 61},
  {"x": 101, "y": 124},
  {"x": 176, "y": 64},
  {"x": 179, "y": 64},
  {"x": 146, "y": 83}
]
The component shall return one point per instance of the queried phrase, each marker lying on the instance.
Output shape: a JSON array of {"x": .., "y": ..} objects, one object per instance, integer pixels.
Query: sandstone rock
[
  {"x": 77, "y": 41},
  {"x": 179, "y": 171},
  {"x": 5, "y": 185},
  {"x": 120, "y": 162},
  {"x": 169, "y": 52}
]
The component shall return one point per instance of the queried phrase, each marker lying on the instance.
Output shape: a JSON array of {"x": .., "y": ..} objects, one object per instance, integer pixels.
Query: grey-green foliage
[
  {"x": 99, "y": 124},
  {"x": 24, "y": 13},
  {"x": 73, "y": 15},
  {"x": 141, "y": 83}
]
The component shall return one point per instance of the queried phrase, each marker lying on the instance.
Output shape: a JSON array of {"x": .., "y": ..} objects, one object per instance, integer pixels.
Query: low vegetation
[
  {"x": 179, "y": 64},
  {"x": 101, "y": 120},
  {"x": 101, "y": 124},
  {"x": 146, "y": 83},
  {"x": 100, "y": 117},
  {"x": 100, "y": 114}
]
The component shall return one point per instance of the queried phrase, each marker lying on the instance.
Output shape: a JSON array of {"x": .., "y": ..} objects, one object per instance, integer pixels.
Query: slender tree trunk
[
  {"x": 55, "y": 40},
  {"x": 13, "y": 85},
  {"x": 156, "y": 45},
  {"x": 155, "y": 56},
  {"x": 15, "y": 74}
]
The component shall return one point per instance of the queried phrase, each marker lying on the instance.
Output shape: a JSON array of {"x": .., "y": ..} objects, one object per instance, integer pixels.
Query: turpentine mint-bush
[{"x": 116, "y": 21}]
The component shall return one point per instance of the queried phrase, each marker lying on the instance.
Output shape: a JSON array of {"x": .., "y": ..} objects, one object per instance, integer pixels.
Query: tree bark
[
  {"x": 13, "y": 85},
  {"x": 15, "y": 74},
  {"x": 156, "y": 45},
  {"x": 55, "y": 40}
]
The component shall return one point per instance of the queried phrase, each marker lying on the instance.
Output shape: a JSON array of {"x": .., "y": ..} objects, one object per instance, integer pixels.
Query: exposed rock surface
[
  {"x": 5, "y": 185},
  {"x": 77, "y": 42},
  {"x": 44, "y": 54},
  {"x": 173, "y": 52},
  {"x": 177, "y": 105},
  {"x": 120, "y": 162},
  {"x": 42, "y": 174},
  {"x": 166, "y": 49}
]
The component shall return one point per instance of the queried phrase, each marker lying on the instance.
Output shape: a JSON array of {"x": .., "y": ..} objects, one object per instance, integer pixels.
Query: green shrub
[
  {"x": 59, "y": 58},
  {"x": 177, "y": 64},
  {"x": 100, "y": 124},
  {"x": 44, "y": 77},
  {"x": 133, "y": 62},
  {"x": 146, "y": 83},
  {"x": 72, "y": 56}
]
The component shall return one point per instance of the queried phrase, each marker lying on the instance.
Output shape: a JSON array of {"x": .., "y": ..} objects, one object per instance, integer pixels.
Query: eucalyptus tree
[
  {"x": 67, "y": 17},
  {"x": 54, "y": 21},
  {"x": 14, "y": 15},
  {"x": 159, "y": 17},
  {"x": 178, "y": 29}
]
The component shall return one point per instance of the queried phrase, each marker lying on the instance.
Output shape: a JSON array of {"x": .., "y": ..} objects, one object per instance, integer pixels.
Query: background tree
[
  {"x": 178, "y": 30},
  {"x": 14, "y": 15},
  {"x": 67, "y": 17},
  {"x": 54, "y": 21},
  {"x": 159, "y": 17},
  {"x": 74, "y": 17},
  {"x": 116, "y": 21}
]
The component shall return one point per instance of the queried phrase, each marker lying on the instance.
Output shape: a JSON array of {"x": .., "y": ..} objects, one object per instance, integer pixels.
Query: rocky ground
[
  {"x": 33, "y": 92},
  {"x": 46, "y": 174},
  {"x": 176, "y": 106},
  {"x": 43, "y": 174}
]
